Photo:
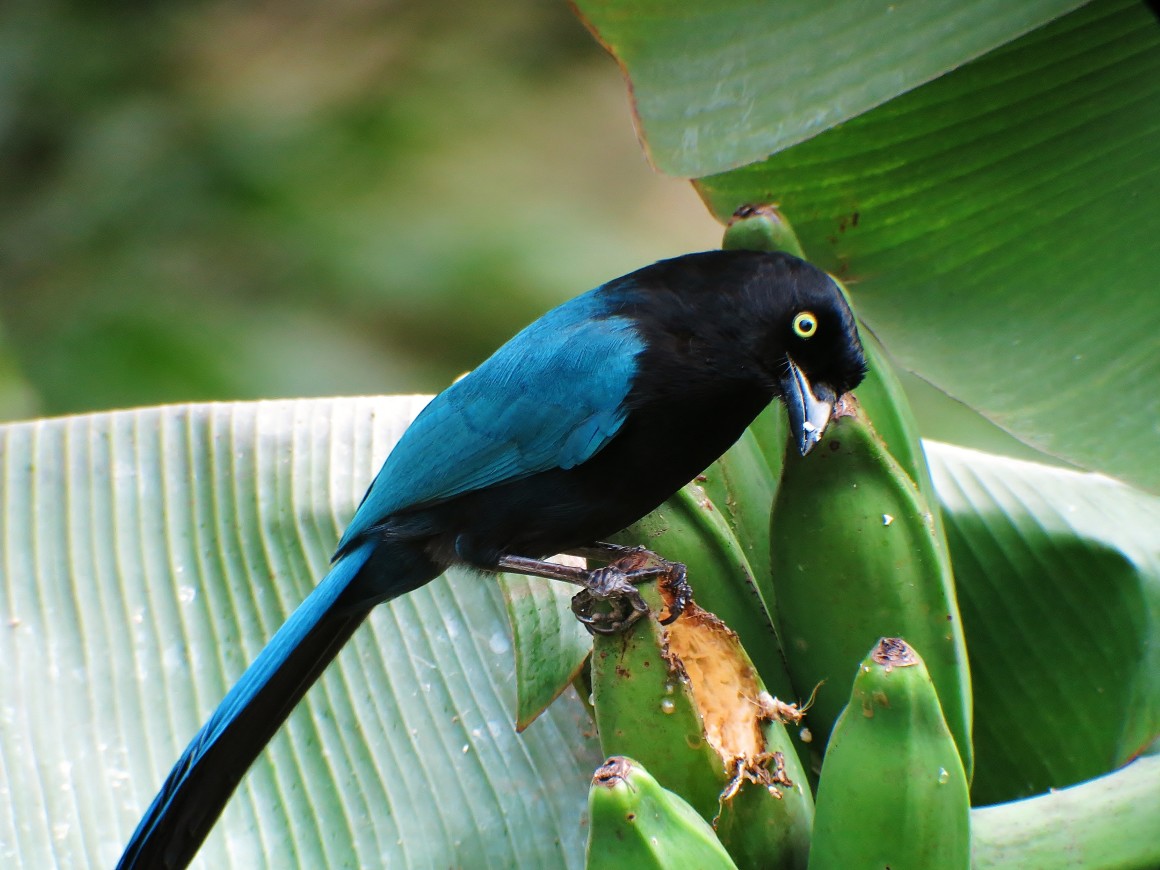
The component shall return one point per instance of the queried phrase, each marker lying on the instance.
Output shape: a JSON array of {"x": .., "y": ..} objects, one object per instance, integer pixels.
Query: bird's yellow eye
[{"x": 805, "y": 324}]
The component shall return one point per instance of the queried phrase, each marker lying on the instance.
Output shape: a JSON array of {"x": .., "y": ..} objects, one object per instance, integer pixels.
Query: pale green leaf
[
  {"x": 147, "y": 556},
  {"x": 1107, "y": 822}
]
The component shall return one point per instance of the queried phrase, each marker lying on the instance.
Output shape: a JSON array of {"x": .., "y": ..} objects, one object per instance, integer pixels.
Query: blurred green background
[{"x": 211, "y": 200}]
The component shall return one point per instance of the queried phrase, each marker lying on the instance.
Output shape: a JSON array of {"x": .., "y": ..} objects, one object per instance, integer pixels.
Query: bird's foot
[
  {"x": 610, "y": 603},
  {"x": 612, "y": 585},
  {"x": 616, "y": 585}
]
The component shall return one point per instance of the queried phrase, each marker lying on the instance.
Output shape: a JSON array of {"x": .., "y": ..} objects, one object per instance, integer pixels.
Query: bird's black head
[
  {"x": 769, "y": 319},
  {"x": 806, "y": 340},
  {"x": 811, "y": 346}
]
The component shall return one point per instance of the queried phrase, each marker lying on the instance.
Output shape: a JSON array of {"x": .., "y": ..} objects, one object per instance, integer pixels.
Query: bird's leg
[
  {"x": 605, "y": 584},
  {"x": 608, "y": 585},
  {"x": 614, "y": 583},
  {"x": 539, "y": 568}
]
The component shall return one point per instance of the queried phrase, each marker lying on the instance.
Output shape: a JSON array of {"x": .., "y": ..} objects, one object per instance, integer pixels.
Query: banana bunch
[
  {"x": 854, "y": 551},
  {"x": 686, "y": 702},
  {"x": 893, "y": 792},
  {"x": 636, "y": 823}
]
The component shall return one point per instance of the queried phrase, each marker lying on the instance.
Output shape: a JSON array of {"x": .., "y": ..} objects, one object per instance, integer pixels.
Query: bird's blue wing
[{"x": 549, "y": 398}]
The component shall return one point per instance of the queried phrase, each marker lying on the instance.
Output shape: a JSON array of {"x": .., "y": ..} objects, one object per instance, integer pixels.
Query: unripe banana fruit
[
  {"x": 892, "y": 792},
  {"x": 856, "y": 556},
  {"x": 635, "y": 824},
  {"x": 760, "y": 228}
]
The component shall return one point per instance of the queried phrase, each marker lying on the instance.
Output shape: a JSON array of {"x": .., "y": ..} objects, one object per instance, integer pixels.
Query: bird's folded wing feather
[{"x": 550, "y": 398}]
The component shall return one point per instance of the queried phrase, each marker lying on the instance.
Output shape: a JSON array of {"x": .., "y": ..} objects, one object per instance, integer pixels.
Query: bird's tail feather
[{"x": 208, "y": 771}]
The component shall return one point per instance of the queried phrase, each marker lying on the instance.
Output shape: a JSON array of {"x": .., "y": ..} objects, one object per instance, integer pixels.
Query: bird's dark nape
[{"x": 580, "y": 425}]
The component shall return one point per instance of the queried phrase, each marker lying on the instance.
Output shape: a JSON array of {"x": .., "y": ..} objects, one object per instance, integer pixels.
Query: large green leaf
[
  {"x": 147, "y": 556},
  {"x": 717, "y": 85},
  {"x": 998, "y": 231},
  {"x": 1058, "y": 577},
  {"x": 1107, "y": 822}
]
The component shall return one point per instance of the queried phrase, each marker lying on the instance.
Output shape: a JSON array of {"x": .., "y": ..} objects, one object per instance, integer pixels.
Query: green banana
[
  {"x": 893, "y": 792},
  {"x": 686, "y": 701},
  {"x": 857, "y": 555},
  {"x": 741, "y": 485},
  {"x": 760, "y": 228},
  {"x": 885, "y": 403},
  {"x": 636, "y": 824}
]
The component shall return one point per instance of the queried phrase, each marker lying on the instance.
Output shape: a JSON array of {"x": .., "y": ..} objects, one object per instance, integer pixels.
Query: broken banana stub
[
  {"x": 686, "y": 702},
  {"x": 636, "y": 823}
]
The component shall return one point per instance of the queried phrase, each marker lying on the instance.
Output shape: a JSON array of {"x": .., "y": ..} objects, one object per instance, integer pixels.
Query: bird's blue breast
[{"x": 549, "y": 398}]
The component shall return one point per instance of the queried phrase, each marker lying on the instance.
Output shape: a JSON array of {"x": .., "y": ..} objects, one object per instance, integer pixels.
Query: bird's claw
[
  {"x": 612, "y": 585},
  {"x": 676, "y": 582}
]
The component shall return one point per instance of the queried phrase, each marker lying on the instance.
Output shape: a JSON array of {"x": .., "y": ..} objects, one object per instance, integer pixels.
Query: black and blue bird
[{"x": 581, "y": 424}]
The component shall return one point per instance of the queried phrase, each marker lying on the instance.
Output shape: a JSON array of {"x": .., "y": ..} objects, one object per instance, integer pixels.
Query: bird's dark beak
[{"x": 809, "y": 407}]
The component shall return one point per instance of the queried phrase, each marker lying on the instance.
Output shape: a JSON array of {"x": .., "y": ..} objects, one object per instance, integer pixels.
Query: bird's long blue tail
[{"x": 208, "y": 771}]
